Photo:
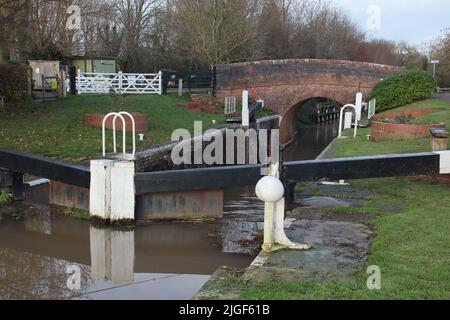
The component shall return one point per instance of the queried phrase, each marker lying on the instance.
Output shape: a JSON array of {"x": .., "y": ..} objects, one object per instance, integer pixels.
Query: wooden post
[
  {"x": 2, "y": 104},
  {"x": 43, "y": 88},
  {"x": 17, "y": 186},
  {"x": 180, "y": 87},
  {"x": 439, "y": 139}
]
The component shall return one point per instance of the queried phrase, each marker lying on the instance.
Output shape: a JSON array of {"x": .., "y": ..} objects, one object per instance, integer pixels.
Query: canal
[{"x": 46, "y": 255}]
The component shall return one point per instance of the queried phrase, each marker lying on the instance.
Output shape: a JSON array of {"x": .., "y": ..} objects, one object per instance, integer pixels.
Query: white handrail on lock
[
  {"x": 341, "y": 118},
  {"x": 133, "y": 123},
  {"x": 124, "y": 134}
]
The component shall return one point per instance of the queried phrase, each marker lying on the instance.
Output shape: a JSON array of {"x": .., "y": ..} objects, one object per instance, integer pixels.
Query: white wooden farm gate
[{"x": 121, "y": 83}]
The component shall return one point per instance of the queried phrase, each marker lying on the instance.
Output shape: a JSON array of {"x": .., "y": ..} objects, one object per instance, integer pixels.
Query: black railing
[{"x": 193, "y": 80}]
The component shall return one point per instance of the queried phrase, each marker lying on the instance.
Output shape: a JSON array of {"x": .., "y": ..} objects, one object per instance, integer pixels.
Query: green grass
[
  {"x": 411, "y": 245},
  {"x": 56, "y": 129},
  {"x": 360, "y": 146}
]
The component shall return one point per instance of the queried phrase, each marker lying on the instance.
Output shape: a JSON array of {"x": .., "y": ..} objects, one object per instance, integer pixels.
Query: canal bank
[
  {"x": 398, "y": 226},
  {"x": 340, "y": 242}
]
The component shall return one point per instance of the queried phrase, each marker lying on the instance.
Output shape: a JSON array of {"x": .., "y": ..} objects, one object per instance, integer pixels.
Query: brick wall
[
  {"x": 283, "y": 84},
  {"x": 96, "y": 120}
]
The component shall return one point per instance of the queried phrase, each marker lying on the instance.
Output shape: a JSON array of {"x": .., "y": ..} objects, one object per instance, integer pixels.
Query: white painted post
[
  {"x": 120, "y": 82},
  {"x": 270, "y": 190},
  {"x": 79, "y": 82},
  {"x": 100, "y": 189},
  {"x": 180, "y": 87},
  {"x": 160, "y": 82},
  {"x": 358, "y": 104},
  {"x": 122, "y": 191},
  {"x": 245, "y": 111}
]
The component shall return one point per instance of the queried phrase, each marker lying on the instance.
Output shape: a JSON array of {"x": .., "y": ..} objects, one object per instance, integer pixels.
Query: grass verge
[{"x": 56, "y": 129}]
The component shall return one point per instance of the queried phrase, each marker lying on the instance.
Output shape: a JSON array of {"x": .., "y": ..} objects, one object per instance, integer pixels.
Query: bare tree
[{"x": 216, "y": 31}]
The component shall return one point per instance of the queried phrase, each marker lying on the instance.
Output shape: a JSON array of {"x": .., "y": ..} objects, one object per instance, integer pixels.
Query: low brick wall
[
  {"x": 96, "y": 120},
  {"x": 397, "y": 131}
]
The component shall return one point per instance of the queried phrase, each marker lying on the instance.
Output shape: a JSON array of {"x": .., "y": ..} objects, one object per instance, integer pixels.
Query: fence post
[
  {"x": 189, "y": 82},
  {"x": 180, "y": 87},
  {"x": 160, "y": 73},
  {"x": 79, "y": 82},
  {"x": 163, "y": 82},
  {"x": 73, "y": 80},
  {"x": 214, "y": 78},
  {"x": 17, "y": 186},
  {"x": 120, "y": 82}
]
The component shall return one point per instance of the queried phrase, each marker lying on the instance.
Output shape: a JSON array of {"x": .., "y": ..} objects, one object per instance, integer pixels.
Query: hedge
[
  {"x": 14, "y": 82},
  {"x": 402, "y": 88}
]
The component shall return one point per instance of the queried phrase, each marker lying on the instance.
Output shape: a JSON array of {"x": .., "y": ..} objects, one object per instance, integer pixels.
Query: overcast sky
[{"x": 414, "y": 21}]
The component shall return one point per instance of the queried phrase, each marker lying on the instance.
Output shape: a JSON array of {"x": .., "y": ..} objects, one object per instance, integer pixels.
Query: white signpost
[
  {"x": 358, "y": 104},
  {"x": 372, "y": 108},
  {"x": 245, "y": 111},
  {"x": 434, "y": 63}
]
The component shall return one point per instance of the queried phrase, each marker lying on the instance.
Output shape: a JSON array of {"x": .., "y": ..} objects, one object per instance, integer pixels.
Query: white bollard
[
  {"x": 270, "y": 190},
  {"x": 245, "y": 111},
  {"x": 122, "y": 191},
  {"x": 100, "y": 188},
  {"x": 358, "y": 104}
]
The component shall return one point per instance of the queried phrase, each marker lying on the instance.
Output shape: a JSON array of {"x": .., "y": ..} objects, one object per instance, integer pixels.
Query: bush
[
  {"x": 402, "y": 88},
  {"x": 4, "y": 198},
  {"x": 13, "y": 82}
]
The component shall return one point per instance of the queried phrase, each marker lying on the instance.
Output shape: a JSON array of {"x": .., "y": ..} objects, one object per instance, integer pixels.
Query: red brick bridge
[{"x": 285, "y": 84}]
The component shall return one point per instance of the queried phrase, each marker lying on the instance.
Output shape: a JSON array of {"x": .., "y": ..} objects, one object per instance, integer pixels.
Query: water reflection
[
  {"x": 311, "y": 140},
  {"x": 159, "y": 261},
  {"x": 112, "y": 255}
]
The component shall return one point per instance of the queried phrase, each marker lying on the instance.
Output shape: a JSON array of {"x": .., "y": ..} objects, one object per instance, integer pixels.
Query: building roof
[{"x": 90, "y": 57}]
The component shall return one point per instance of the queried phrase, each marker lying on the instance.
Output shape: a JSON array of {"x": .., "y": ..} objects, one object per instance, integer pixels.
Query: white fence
[{"x": 121, "y": 83}]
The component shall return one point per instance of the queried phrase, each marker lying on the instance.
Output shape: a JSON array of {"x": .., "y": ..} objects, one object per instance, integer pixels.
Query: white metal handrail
[
  {"x": 119, "y": 115},
  {"x": 341, "y": 118},
  {"x": 133, "y": 123}
]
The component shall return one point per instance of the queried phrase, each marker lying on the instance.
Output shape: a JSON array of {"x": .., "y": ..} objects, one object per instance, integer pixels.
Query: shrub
[
  {"x": 13, "y": 82},
  {"x": 403, "y": 87},
  {"x": 4, "y": 198}
]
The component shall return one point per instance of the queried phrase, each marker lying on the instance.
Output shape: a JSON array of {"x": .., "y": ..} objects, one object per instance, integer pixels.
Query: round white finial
[{"x": 269, "y": 189}]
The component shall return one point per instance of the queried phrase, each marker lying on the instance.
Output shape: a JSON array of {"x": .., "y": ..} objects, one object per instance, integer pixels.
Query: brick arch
[{"x": 283, "y": 84}]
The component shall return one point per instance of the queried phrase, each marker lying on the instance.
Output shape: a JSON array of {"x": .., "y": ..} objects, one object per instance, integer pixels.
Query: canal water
[{"x": 45, "y": 255}]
